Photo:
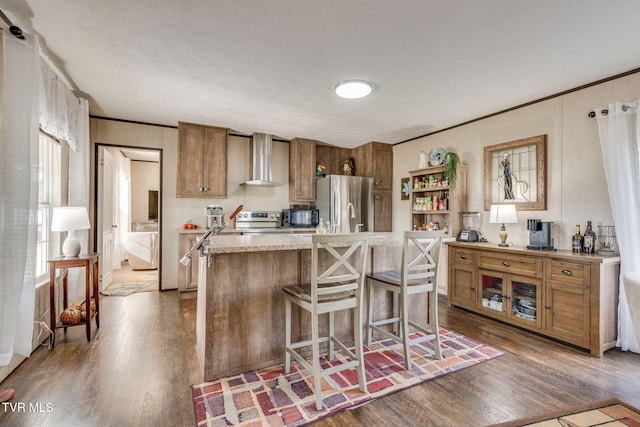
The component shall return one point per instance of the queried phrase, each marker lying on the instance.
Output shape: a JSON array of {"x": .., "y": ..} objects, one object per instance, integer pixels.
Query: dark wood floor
[{"x": 138, "y": 369}]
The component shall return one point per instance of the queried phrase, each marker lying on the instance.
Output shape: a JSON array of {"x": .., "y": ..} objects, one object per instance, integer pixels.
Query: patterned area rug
[
  {"x": 269, "y": 397},
  {"x": 142, "y": 283},
  {"x": 609, "y": 413}
]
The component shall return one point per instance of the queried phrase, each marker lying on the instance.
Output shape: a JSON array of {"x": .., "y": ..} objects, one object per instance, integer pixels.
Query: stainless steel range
[{"x": 260, "y": 222}]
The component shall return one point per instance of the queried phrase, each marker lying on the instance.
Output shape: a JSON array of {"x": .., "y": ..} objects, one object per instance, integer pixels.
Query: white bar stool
[
  {"x": 418, "y": 274},
  {"x": 337, "y": 287}
]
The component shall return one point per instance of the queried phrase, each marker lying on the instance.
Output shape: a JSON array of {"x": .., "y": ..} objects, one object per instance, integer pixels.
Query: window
[{"x": 48, "y": 196}]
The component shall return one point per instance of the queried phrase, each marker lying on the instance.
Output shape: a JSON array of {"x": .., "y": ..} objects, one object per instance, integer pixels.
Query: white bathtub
[{"x": 142, "y": 250}]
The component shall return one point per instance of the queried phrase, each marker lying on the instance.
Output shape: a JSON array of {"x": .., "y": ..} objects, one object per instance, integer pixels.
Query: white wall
[
  {"x": 145, "y": 176},
  {"x": 177, "y": 211},
  {"x": 576, "y": 186}
]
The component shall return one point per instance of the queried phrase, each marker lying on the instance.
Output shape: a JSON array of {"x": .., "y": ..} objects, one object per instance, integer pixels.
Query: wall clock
[{"x": 436, "y": 158}]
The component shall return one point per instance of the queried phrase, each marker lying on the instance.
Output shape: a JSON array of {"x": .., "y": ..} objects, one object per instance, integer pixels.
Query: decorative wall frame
[
  {"x": 515, "y": 172},
  {"x": 405, "y": 188}
]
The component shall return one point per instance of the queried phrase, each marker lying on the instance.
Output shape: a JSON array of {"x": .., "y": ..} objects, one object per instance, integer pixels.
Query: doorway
[{"x": 128, "y": 218}]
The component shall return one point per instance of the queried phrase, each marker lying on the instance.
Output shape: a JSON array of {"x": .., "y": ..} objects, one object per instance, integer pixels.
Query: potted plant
[{"x": 451, "y": 161}]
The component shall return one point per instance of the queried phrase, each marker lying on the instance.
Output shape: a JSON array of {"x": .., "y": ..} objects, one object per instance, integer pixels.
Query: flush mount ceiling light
[{"x": 353, "y": 89}]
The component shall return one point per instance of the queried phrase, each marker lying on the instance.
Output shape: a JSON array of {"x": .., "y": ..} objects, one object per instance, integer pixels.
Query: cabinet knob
[
  {"x": 205, "y": 188},
  {"x": 472, "y": 287},
  {"x": 548, "y": 307},
  {"x": 506, "y": 263},
  {"x": 377, "y": 197},
  {"x": 507, "y": 296},
  {"x": 299, "y": 193},
  {"x": 567, "y": 272},
  {"x": 463, "y": 256}
]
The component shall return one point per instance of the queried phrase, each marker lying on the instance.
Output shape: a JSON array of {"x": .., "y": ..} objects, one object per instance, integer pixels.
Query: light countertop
[
  {"x": 221, "y": 244},
  {"x": 229, "y": 230}
]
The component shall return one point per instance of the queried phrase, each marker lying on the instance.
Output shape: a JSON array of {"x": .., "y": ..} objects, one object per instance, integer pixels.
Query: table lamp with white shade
[
  {"x": 503, "y": 214},
  {"x": 70, "y": 219}
]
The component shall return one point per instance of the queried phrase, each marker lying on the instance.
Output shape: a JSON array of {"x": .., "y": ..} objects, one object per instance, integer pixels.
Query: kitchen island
[{"x": 240, "y": 307}]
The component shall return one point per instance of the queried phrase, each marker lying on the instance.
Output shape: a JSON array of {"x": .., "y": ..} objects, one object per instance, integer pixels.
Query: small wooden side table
[{"x": 91, "y": 276}]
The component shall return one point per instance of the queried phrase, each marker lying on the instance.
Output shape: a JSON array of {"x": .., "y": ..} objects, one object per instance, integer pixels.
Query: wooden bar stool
[
  {"x": 337, "y": 287},
  {"x": 419, "y": 270}
]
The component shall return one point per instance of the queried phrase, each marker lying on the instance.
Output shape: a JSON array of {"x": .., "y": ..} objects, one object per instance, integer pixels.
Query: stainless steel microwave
[{"x": 300, "y": 217}]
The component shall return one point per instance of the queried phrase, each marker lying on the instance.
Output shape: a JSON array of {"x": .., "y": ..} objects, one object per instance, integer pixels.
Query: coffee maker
[
  {"x": 214, "y": 215},
  {"x": 540, "y": 235}
]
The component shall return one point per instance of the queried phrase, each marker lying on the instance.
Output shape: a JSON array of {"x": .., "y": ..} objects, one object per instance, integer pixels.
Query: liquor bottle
[
  {"x": 589, "y": 239},
  {"x": 320, "y": 228},
  {"x": 577, "y": 241}
]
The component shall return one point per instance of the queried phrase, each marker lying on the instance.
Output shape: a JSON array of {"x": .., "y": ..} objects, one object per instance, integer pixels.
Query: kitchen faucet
[{"x": 353, "y": 215}]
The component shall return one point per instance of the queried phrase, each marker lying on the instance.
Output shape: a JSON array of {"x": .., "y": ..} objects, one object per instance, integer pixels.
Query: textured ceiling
[{"x": 270, "y": 66}]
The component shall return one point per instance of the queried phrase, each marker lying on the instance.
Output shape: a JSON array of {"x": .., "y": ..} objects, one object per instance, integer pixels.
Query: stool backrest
[
  {"x": 420, "y": 255},
  {"x": 342, "y": 271}
]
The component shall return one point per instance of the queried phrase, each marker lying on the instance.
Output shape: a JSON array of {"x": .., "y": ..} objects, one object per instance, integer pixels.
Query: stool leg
[
  {"x": 397, "y": 315},
  {"x": 331, "y": 332},
  {"x": 433, "y": 323},
  {"x": 357, "y": 339},
  {"x": 405, "y": 329},
  {"x": 370, "y": 290},
  {"x": 317, "y": 380},
  {"x": 287, "y": 335}
]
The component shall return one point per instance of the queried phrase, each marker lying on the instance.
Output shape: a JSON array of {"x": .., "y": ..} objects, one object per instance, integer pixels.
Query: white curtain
[
  {"x": 55, "y": 197},
  {"x": 58, "y": 107},
  {"x": 66, "y": 117},
  {"x": 619, "y": 139},
  {"x": 18, "y": 194},
  {"x": 79, "y": 181}
]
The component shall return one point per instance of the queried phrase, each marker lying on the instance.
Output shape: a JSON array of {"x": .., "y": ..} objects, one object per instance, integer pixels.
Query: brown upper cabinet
[
  {"x": 202, "y": 161},
  {"x": 302, "y": 170},
  {"x": 332, "y": 158},
  {"x": 375, "y": 159}
]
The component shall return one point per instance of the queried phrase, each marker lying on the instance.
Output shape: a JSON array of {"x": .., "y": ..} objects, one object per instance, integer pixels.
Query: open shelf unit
[{"x": 433, "y": 200}]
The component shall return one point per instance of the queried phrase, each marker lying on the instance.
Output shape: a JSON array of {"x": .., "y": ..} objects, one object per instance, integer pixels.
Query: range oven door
[{"x": 256, "y": 231}]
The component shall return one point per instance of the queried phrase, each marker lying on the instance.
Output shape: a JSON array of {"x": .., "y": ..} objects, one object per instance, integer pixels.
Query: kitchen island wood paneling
[{"x": 240, "y": 315}]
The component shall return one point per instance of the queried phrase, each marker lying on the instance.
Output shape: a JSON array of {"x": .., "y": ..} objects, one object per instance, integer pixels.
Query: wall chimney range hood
[{"x": 261, "y": 153}]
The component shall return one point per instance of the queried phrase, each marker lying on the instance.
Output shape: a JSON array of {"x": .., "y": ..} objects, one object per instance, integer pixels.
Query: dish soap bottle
[{"x": 320, "y": 228}]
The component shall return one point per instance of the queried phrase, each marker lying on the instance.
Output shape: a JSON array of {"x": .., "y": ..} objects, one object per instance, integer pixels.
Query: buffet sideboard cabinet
[{"x": 571, "y": 297}]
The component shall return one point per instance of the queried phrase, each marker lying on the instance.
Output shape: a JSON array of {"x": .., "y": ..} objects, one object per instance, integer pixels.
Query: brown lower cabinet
[
  {"x": 567, "y": 296},
  {"x": 188, "y": 274}
]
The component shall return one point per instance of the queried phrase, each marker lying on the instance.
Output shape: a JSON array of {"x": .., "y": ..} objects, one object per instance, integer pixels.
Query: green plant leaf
[{"x": 451, "y": 161}]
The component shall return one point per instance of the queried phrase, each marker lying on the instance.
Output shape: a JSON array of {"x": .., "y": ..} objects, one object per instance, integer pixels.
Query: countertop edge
[
  {"x": 275, "y": 242},
  {"x": 558, "y": 253}
]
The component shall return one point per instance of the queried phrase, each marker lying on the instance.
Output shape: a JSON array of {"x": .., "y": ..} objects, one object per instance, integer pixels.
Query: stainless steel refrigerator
[{"x": 345, "y": 201}]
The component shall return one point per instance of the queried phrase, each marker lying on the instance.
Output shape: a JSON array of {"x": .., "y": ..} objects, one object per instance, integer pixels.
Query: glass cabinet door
[
  {"x": 492, "y": 293},
  {"x": 515, "y": 297},
  {"x": 525, "y": 300}
]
